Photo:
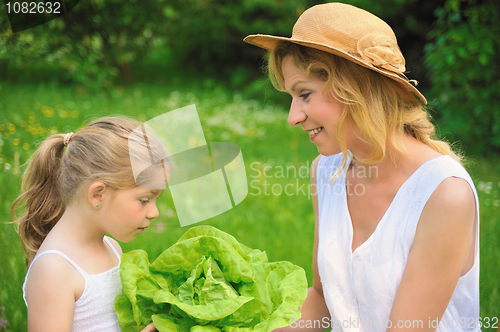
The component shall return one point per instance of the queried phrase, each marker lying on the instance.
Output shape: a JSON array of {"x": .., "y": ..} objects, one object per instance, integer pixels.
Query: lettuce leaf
[{"x": 208, "y": 282}]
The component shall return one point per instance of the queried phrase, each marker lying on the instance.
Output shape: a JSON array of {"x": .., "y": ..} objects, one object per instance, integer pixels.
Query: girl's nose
[
  {"x": 296, "y": 115},
  {"x": 153, "y": 213}
]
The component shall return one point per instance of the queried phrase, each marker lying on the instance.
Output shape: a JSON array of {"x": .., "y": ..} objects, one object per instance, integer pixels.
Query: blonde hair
[
  {"x": 380, "y": 107},
  {"x": 56, "y": 176}
]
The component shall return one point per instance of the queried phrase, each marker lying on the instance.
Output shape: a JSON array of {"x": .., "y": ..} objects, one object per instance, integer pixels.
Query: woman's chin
[{"x": 328, "y": 151}]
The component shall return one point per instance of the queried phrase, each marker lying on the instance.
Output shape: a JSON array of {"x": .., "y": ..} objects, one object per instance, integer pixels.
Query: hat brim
[{"x": 269, "y": 42}]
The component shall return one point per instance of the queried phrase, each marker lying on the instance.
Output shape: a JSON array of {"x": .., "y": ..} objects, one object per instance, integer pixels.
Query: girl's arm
[
  {"x": 50, "y": 291},
  {"x": 314, "y": 308},
  {"x": 441, "y": 253}
]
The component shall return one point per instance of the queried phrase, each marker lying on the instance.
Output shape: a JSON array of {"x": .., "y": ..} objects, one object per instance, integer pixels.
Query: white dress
[
  {"x": 94, "y": 310},
  {"x": 359, "y": 287}
]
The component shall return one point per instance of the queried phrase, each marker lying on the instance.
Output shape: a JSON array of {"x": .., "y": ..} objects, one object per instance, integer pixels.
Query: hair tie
[{"x": 68, "y": 138}]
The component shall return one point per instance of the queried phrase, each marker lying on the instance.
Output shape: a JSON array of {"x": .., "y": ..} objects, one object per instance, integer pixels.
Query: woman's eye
[{"x": 305, "y": 95}]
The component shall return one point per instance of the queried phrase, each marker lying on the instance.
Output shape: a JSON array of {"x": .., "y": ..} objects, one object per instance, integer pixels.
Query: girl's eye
[
  {"x": 305, "y": 95},
  {"x": 144, "y": 201}
]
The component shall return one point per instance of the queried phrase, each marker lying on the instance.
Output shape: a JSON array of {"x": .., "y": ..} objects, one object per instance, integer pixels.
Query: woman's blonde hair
[
  {"x": 57, "y": 175},
  {"x": 380, "y": 107}
]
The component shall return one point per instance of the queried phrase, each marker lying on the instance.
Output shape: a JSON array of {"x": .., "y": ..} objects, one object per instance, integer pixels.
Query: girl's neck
[
  {"x": 79, "y": 227},
  {"x": 79, "y": 235}
]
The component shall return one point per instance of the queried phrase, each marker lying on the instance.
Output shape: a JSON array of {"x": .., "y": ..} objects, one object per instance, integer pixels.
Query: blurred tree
[
  {"x": 411, "y": 20},
  {"x": 97, "y": 40},
  {"x": 463, "y": 59},
  {"x": 209, "y": 33},
  {"x": 94, "y": 42},
  {"x": 102, "y": 42}
]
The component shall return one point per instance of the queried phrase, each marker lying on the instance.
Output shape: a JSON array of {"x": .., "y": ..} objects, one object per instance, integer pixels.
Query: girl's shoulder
[
  {"x": 53, "y": 260},
  {"x": 115, "y": 245},
  {"x": 51, "y": 265},
  {"x": 51, "y": 274}
]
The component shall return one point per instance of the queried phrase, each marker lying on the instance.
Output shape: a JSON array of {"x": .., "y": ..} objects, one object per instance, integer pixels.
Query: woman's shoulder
[
  {"x": 453, "y": 166},
  {"x": 422, "y": 156},
  {"x": 334, "y": 160},
  {"x": 445, "y": 167},
  {"x": 325, "y": 167},
  {"x": 455, "y": 189}
]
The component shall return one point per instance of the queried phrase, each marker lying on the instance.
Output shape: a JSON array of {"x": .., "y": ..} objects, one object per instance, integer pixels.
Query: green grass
[{"x": 280, "y": 223}]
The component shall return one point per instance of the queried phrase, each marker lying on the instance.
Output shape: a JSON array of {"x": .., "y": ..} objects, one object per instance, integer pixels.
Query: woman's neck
[{"x": 396, "y": 162}]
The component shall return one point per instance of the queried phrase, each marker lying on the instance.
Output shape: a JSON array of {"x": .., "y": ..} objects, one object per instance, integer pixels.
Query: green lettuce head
[{"x": 208, "y": 282}]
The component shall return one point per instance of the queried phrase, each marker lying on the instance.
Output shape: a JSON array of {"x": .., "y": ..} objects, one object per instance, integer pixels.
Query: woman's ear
[{"x": 95, "y": 194}]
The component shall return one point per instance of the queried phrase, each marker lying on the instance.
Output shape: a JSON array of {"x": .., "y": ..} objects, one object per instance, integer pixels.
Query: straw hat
[{"x": 351, "y": 33}]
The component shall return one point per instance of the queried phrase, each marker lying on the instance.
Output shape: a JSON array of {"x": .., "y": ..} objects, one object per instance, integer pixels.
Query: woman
[{"x": 397, "y": 221}]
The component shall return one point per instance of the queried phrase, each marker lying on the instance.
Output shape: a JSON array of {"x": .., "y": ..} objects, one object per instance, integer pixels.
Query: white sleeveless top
[
  {"x": 94, "y": 310},
  {"x": 359, "y": 287}
]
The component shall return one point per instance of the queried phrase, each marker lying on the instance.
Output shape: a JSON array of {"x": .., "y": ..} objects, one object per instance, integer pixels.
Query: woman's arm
[
  {"x": 314, "y": 308},
  {"x": 50, "y": 293},
  {"x": 441, "y": 253},
  {"x": 150, "y": 328}
]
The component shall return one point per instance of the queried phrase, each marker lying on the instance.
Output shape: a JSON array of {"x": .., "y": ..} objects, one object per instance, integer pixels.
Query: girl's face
[
  {"x": 129, "y": 211},
  {"x": 316, "y": 114}
]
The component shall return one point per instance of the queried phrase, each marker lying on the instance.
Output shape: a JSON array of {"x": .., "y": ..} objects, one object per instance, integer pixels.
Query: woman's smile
[{"x": 314, "y": 132}]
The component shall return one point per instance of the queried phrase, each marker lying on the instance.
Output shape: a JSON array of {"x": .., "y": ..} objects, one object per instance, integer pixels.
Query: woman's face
[{"x": 317, "y": 115}]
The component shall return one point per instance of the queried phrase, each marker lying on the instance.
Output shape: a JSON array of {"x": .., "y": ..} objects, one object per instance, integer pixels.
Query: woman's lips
[{"x": 315, "y": 132}]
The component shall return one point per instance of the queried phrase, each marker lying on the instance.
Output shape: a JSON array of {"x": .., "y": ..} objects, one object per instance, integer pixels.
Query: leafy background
[{"x": 146, "y": 58}]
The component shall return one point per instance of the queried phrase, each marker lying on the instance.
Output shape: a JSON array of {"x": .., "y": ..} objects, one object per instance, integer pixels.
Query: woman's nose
[{"x": 296, "y": 115}]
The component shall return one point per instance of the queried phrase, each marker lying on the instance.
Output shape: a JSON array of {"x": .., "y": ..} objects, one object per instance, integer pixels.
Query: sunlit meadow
[{"x": 270, "y": 219}]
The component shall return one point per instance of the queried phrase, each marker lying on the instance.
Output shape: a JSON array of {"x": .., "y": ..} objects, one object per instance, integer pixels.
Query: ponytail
[{"x": 40, "y": 202}]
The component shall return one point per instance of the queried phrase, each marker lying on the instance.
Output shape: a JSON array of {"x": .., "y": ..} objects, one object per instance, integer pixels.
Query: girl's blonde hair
[
  {"x": 380, "y": 107},
  {"x": 57, "y": 175}
]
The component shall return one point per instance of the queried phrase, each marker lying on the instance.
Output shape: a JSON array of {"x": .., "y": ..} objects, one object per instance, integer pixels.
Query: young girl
[
  {"x": 77, "y": 188},
  {"x": 397, "y": 220}
]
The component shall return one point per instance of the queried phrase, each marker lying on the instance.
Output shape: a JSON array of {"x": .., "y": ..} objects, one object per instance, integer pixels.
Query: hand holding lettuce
[{"x": 208, "y": 282}]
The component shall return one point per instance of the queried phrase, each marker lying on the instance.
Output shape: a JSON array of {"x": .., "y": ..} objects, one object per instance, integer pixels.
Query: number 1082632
[{"x": 46, "y": 7}]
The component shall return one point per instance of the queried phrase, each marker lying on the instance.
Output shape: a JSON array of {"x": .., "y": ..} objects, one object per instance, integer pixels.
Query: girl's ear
[{"x": 95, "y": 194}]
